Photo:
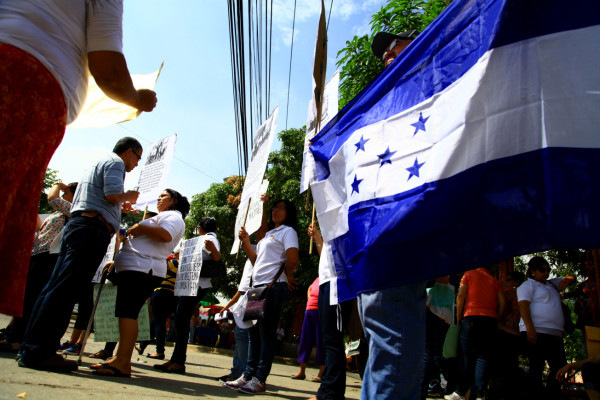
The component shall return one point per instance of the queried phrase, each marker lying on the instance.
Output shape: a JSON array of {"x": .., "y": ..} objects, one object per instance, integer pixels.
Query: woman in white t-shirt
[
  {"x": 276, "y": 247},
  {"x": 141, "y": 267},
  {"x": 542, "y": 324}
]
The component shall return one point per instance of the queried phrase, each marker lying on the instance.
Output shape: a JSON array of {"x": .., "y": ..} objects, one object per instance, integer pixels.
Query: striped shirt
[
  {"x": 169, "y": 282},
  {"x": 106, "y": 178}
]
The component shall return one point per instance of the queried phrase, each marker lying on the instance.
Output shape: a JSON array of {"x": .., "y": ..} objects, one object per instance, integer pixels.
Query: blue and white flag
[{"x": 480, "y": 142}]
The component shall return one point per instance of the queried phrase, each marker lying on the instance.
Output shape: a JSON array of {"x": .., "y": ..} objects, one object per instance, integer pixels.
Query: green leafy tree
[
  {"x": 358, "y": 66},
  {"x": 50, "y": 178}
]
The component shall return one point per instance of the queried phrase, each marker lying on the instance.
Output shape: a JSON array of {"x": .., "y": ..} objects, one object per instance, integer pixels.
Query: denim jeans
[
  {"x": 83, "y": 246},
  {"x": 477, "y": 340},
  {"x": 183, "y": 314},
  {"x": 263, "y": 335},
  {"x": 394, "y": 323},
  {"x": 240, "y": 357},
  {"x": 333, "y": 380},
  {"x": 433, "y": 361}
]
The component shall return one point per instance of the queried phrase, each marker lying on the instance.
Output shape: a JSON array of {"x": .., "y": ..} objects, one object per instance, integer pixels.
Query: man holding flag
[{"x": 478, "y": 144}]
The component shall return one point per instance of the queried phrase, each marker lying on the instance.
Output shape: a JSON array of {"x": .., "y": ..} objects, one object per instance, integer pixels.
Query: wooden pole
[{"x": 243, "y": 226}]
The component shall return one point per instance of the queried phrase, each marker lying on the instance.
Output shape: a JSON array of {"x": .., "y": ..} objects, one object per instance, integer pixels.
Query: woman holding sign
[
  {"x": 277, "y": 247},
  {"x": 141, "y": 267},
  {"x": 187, "y": 304}
]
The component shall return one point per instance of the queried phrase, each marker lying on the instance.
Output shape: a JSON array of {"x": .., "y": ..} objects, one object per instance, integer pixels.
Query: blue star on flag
[
  {"x": 361, "y": 144},
  {"x": 386, "y": 157},
  {"x": 420, "y": 124},
  {"x": 414, "y": 170},
  {"x": 355, "y": 184}
]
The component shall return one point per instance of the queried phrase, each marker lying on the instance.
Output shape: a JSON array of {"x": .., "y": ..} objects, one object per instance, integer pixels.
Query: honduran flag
[{"x": 480, "y": 142}]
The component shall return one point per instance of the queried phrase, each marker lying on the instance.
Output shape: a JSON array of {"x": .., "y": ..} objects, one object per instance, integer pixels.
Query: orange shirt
[{"x": 482, "y": 293}]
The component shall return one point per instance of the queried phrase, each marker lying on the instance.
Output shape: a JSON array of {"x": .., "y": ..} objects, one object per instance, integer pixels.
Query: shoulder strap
[{"x": 278, "y": 273}]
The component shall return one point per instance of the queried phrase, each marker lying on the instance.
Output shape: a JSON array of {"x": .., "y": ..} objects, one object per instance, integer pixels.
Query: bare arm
[
  {"x": 214, "y": 253},
  {"x": 526, "y": 315},
  {"x": 291, "y": 265},
  {"x": 109, "y": 69},
  {"x": 233, "y": 300},
  {"x": 155, "y": 233},
  {"x": 54, "y": 192},
  {"x": 460, "y": 301},
  {"x": 130, "y": 195},
  {"x": 246, "y": 246},
  {"x": 264, "y": 226},
  {"x": 316, "y": 235},
  {"x": 501, "y": 303},
  {"x": 566, "y": 282}
]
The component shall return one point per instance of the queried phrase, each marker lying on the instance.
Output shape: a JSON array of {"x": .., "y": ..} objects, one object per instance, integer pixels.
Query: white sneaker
[
  {"x": 253, "y": 387},
  {"x": 238, "y": 383},
  {"x": 454, "y": 396}
]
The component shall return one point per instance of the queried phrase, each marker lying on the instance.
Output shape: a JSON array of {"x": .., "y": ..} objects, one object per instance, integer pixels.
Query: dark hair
[
  {"x": 208, "y": 224},
  {"x": 535, "y": 264},
  {"x": 127, "y": 143},
  {"x": 72, "y": 187},
  {"x": 181, "y": 202},
  {"x": 291, "y": 219},
  {"x": 515, "y": 275}
]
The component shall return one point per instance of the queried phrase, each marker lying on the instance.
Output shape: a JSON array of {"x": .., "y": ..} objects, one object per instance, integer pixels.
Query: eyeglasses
[
  {"x": 391, "y": 46},
  {"x": 136, "y": 154}
]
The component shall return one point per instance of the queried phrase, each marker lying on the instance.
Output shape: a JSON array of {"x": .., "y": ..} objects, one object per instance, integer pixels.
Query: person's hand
[
  {"x": 147, "y": 100},
  {"x": 62, "y": 186},
  {"x": 531, "y": 335},
  {"x": 243, "y": 235},
  {"x": 209, "y": 245},
  {"x": 265, "y": 199},
  {"x": 131, "y": 196},
  {"x": 292, "y": 282},
  {"x": 127, "y": 207},
  {"x": 108, "y": 266},
  {"x": 225, "y": 310},
  {"x": 311, "y": 229},
  {"x": 564, "y": 373}
]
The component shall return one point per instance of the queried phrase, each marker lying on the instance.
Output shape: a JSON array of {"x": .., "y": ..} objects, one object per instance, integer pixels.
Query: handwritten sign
[
  {"x": 155, "y": 170},
  {"x": 190, "y": 264},
  {"x": 106, "y": 325}
]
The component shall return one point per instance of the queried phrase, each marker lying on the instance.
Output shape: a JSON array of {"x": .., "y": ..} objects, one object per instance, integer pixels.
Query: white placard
[
  {"x": 254, "y": 218},
  {"x": 263, "y": 140},
  {"x": 109, "y": 256},
  {"x": 329, "y": 110},
  {"x": 190, "y": 264},
  {"x": 155, "y": 170}
]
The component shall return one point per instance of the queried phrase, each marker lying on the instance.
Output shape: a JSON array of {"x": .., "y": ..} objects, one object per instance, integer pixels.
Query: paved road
[{"x": 203, "y": 366}]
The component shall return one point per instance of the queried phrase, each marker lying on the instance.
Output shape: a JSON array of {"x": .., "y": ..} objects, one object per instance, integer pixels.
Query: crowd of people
[{"x": 46, "y": 52}]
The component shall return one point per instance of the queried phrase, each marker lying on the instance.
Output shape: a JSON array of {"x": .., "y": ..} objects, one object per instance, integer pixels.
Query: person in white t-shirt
[
  {"x": 141, "y": 267},
  {"x": 187, "y": 304},
  {"x": 275, "y": 248},
  {"x": 542, "y": 325}
]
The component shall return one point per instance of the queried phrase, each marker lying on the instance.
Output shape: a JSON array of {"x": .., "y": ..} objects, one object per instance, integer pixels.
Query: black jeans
[
  {"x": 547, "y": 348},
  {"x": 433, "y": 361},
  {"x": 82, "y": 248},
  {"x": 164, "y": 304},
  {"x": 40, "y": 269},
  {"x": 183, "y": 314},
  {"x": 333, "y": 380}
]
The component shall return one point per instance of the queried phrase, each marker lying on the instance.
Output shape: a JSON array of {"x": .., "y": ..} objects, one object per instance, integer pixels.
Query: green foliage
[
  {"x": 358, "y": 66},
  {"x": 130, "y": 219},
  {"x": 50, "y": 178}
]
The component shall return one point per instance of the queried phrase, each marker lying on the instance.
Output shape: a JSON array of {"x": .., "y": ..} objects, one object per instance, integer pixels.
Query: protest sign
[
  {"x": 329, "y": 110},
  {"x": 106, "y": 325},
  {"x": 190, "y": 264},
  {"x": 253, "y": 216},
  {"x": 263, "y": 140},
  {"x": 155, "y": 171},
  {"x": 109, "y": 256}
]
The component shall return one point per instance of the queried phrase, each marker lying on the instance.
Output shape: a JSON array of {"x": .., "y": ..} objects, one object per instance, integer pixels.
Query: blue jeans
[
  {"x": 82, "y": 248},
  {"x": 477, "y": 337},
  {"x": 333, "y": 380},
  {"x": 263, "y": 335},
  {"x": 240, "y": 357},
  {"x": 394, "y": 323},
  {"x": 183, "y": 314}
]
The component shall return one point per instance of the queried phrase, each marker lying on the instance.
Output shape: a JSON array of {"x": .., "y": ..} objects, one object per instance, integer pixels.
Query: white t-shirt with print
[
  {"x": 545, "y": 306},
  {"x": 271, "y": 253},
  {"x": 144, "y": 254}
]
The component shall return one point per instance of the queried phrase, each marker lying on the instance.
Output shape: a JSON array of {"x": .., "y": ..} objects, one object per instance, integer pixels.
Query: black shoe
[
  {"x": 160, "y": 356},
  {"x": 54, "y": 363},
  {"x": 224, "y": 378}
]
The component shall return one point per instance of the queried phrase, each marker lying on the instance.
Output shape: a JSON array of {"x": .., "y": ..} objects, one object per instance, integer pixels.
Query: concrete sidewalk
[{"x": 203, "y": 366}]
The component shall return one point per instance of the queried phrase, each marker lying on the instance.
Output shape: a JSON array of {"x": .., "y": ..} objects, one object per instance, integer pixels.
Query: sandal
[
  {"x": 156, "y": 356},
  {"x": 298, "y": 376},
  {"x": 115, "y": 372},
  {"x": 139, "y": 349},
  {"x": 101, "y": 355}
]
